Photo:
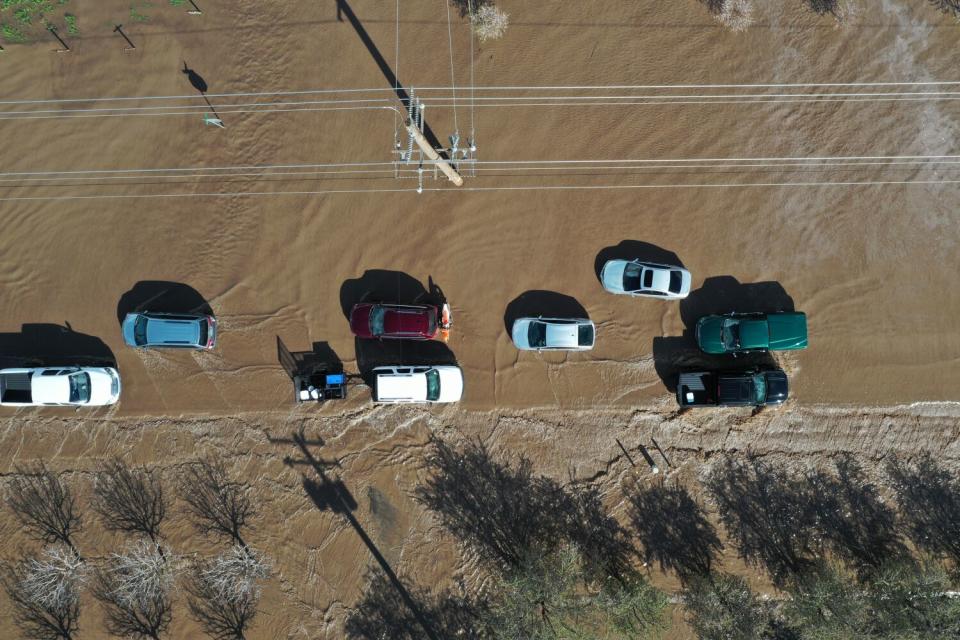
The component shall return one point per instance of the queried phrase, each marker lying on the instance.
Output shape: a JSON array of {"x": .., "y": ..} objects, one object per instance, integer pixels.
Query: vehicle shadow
[
  {"x": 548, "y": 304},
  {"x": 635, "y": 250},
  {"x": 161, "y": 296},
  {"x": 380, "y": 353},
  {"x": 673, "y": 355},
  {"x": 53, "y": 345},
  {"x": 725, "y": 294},
  {"x": 320, "y": 357},
  {"x": 382, "y": 285}
]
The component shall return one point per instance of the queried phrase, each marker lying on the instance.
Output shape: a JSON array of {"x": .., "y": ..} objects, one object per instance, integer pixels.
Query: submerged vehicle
[
  {"x": 59, "y": 386},
  {"x": 636, "y": 278},
  {"x": 417, "y": 383},
  {"x": 155, "y": 330},
  {"x": 399, "y": 321},
  {"x": 746, "y": 332},
  {"x": 753, "y": 387},
  {"x": 553, "y": 334}
]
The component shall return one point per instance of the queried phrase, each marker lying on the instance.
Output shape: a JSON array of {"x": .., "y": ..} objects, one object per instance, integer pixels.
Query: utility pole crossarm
[{"x": 431, "y": 153}]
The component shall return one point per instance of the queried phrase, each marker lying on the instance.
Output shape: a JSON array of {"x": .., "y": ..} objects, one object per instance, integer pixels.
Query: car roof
[{"x": 172, "y": 330}]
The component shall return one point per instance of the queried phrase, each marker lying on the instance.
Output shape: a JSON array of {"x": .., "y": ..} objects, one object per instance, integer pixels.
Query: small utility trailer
[{"x": 320, "y": 385}]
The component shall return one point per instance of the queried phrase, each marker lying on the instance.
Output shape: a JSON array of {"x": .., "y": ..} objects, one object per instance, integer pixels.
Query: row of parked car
[{"x": 730, "y": 334}]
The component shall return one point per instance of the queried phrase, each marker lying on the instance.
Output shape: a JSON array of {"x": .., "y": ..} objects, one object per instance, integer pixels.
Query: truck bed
[
  {"x": 15, "y": 388},
  {"x": 695, "y": 389}
]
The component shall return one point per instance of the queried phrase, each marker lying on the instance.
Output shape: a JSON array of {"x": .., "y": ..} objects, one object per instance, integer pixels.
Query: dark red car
[{"x": 409, "y": 322}]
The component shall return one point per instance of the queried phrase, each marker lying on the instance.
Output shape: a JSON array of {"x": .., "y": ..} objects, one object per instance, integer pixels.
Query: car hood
[
  {"x": 777, "y": 386},
  {"x": 709, "y": 337},
  {"x": 612, "y": 275},
  {"x": 788, "y": 331},
  {"x": 451, "y": 384},
  {"x": 101, "y": 383}
]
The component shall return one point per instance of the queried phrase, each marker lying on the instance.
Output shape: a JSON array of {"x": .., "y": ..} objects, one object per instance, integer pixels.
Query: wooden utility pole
[{"x": 431, "y": 153}]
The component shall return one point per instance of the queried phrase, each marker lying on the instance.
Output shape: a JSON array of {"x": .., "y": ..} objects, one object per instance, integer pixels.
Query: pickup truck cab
[
  {"x": 59, "y": 386},
  {"x": 420, "y": 383},
  {"x": 732, "y": 389},
  {"x": 746, "y": 332}
]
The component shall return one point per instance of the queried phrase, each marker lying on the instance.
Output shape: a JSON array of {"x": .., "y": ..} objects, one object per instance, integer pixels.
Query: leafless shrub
[
  {"x": 947, "y": 6},
  {"x": 736, "y": 15},
  {"x": 45, "y": 594},
  {"x": 129, "y": 500},
  {"x": 489, "y": 22},
  {"x": 134, "y": 588},
  {"x": 222, "y": 593},
  {"x": 218, "y": 505},
  {"x": 54, "y": 579},
  {"x": 44, "y": 505}
]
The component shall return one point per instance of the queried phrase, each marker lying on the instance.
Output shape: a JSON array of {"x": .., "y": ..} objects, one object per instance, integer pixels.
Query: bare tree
[
  {"x": 222, "y": 593},
  {"x": 45, "y": 593},
  {"x": 44, "y": 505},
  {"x": 947, "y": 6},
  {"x": 134, "y": 589},
  {"x": 129, "y": 500},
  {"x": 489, "y": 22},
  {"x": 219, "y": 505}
]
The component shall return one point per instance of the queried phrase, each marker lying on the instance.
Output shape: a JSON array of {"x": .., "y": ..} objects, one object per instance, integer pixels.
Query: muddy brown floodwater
[{"x": 777, "y": 196}]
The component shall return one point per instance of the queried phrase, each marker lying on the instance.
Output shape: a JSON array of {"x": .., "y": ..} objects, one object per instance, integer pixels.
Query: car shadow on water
[
  {"x": 726, "y": 294},
  {"x": 635, "y": 250},
  {"x": 163, "y": 297},
  {"x": 548, "y": 304},
  {"x": 673, "y": 355},
  {"x": 391, "y": 287},
  {"x": 53, "y": 345}
]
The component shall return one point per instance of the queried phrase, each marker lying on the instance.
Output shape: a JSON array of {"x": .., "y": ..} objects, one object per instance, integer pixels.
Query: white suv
[{"x": 420, "y": 383}]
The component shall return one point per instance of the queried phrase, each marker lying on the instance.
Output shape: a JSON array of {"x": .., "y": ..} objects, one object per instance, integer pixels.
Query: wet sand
[{"x": 873, "y": 265}]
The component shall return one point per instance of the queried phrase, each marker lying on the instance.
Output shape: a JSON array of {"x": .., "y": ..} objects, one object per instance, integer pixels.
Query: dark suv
[
  {"x": 170, "y": 330},
  {"x": 754, "y": 387}
]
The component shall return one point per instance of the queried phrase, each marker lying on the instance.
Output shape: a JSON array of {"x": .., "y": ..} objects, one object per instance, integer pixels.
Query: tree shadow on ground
[
  {"x": 675, "y": 354},
  {"x": 382, "y": 285},
  {"x": 635, "y": 250},
  {"x": 381, "y": 613},
  {"x": 548, "y": 304},
  {"x": 767, "y": 514},
  {"x": 725, "y": 294},
  {"x": 53, "y": 345},
  {"x": 928, "y": 495},
  {"x": 674, "y": 531},
  {"x": 504, "y": 512},
  {"x": 163, "y": 297},
  {"x": 856, "y": 525}
]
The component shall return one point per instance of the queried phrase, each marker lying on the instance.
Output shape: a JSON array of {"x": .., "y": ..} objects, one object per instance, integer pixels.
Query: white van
[{"x": 421, "y": 383}]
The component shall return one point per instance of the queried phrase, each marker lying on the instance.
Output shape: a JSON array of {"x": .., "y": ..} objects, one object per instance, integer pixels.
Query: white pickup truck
[{"x": 59, "y": 386}]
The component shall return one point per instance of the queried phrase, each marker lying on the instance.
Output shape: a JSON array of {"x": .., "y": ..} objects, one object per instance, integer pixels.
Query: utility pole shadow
[
  {"x": 331, "y": 494},
  {"x": 343, "y": 9},
  {"x": 198, "y": 83}
]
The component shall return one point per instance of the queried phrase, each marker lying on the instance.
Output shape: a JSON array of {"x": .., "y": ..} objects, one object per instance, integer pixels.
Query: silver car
[
  {"x": 554, "y": 334},
  {"x": 636, "y": 278},
  {"x": 170, "y": 330}
]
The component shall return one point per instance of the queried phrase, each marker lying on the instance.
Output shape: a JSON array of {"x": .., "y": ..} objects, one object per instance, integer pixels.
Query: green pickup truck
[{"x": 746, "y": 332}]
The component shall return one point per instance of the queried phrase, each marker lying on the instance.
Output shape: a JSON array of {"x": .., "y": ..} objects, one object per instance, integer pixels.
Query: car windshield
[
  {"x": 631, "y": 277},
  {"x": 585, "y": 335},
  {"x": 537, "y": 334},
  {"x": 760, "y": 386},
  {"x": 376, "y": 320},
  {"x": 140, "y": 330},
  {"x": 648, "y": 278},
  {"x": 676, "y": 280},
  {"x": 730, "y": 334},
  {"x": 433, "y": 385},
  {"x": 79, "y": 387}
]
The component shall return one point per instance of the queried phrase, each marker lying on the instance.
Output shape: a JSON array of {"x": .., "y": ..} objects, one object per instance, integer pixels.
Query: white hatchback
[
  {"x": 636, "y": 278},
  {"x": 554, "y": 334},
  {"x": 421, "y": 383}
]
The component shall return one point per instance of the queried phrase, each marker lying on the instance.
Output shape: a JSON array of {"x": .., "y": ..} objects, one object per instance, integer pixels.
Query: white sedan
[
  {"x": 636, "y": 278},
  {"x": 555, "y": 334},
  {"x": 59, "y": 386}
]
